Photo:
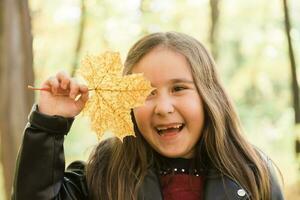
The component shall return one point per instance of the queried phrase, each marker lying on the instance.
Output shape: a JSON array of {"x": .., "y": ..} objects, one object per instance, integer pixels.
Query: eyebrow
[
  {"x": 181, "y": 80},
  {"x": 178, "y": 80}
]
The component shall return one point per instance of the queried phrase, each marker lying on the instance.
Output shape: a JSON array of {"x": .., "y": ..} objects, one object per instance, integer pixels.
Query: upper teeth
[{"x": 166, "y": 127}]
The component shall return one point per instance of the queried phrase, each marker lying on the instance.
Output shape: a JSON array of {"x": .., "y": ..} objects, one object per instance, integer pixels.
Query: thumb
[{"x": 83, "y": 97}]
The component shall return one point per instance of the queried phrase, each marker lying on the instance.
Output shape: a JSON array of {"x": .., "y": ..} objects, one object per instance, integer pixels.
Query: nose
[{"x": 164, "y": 106}]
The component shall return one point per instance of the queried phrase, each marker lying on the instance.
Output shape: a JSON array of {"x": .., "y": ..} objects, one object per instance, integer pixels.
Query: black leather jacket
[{"x": 41, "y": 175}]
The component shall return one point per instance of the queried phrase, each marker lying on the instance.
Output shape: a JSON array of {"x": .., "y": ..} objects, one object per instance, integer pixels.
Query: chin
[{"x": 175, "y": 154}]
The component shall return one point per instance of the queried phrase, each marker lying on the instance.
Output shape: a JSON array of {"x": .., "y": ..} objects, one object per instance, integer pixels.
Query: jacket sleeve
[
  {"x": 276, "y": 191},
  {"x": 40, "y": 168}
]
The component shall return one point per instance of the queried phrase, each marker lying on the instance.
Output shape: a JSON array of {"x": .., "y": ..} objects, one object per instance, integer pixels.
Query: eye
[
  {"x": 153, "y": 93},
  {"x": 178, "y": 88}
]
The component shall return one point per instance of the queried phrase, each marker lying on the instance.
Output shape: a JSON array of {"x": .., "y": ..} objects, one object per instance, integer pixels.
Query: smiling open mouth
[{"x": 169, "y": 129}]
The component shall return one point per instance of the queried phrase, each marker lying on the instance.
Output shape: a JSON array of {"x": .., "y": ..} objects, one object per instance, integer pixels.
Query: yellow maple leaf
[{"x": 114, "y": 95}]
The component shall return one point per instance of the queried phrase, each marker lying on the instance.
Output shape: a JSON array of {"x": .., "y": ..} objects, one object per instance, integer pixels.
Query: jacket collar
[{"x": 215, "y": 187}]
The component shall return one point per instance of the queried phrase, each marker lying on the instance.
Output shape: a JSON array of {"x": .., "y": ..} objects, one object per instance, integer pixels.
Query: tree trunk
[
  {"x": 292, "y": 62},
  {"x": 295, "y": 86},
  {"x": 15, "y": 73},
  {"x": 214, "y": 13},
  {"x": 80, "y": 38}
]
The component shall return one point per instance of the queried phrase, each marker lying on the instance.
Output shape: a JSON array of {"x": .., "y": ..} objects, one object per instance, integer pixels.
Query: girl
[{"x": 188, "y": 140}]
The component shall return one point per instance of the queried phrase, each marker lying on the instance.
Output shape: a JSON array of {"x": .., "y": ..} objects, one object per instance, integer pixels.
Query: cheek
[
  {"x": 194, "y": 110},
  {"x": 193, "y": 100},
  {"x": 142, "y": 116}
]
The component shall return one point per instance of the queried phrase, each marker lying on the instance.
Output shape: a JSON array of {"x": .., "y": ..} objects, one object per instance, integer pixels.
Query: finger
[
  {"x": 83, "y": 90},
  {"x": 74, "y": 88},
  {"x": 83, "y": 97},
  {"x": 64, "y": 79},
  {"x": 52, "y": 83},
  {"x": 84, "y": 93}
]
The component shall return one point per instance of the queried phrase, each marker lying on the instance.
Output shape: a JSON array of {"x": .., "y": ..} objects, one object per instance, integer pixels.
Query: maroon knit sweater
[
  {"x": 182, "y": 187},
  {"x": 180, "y": 181}
]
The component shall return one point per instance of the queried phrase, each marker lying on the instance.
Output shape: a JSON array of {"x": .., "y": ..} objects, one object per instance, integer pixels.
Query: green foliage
[
  {"x": 253, "y": 57},
  {"x": 252, "y": 46}
]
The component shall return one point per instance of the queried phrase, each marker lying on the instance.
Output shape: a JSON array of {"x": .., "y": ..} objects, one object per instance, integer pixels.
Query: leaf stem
[{"x": 46, "y": 89}]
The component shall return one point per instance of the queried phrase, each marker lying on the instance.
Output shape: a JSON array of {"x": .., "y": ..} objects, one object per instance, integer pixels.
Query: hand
[{"x": 62, "y": 97}]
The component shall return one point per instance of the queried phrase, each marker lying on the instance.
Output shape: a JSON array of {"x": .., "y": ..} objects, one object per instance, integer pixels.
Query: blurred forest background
[{"x": 255, "y": 56}]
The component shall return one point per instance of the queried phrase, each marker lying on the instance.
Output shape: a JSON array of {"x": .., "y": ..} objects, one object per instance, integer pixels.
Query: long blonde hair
[{"x": 221, "y": 144}]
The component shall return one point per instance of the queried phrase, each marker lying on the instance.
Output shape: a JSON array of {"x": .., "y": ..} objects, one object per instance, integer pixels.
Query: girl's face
[{"x": 172, "y": 118}]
